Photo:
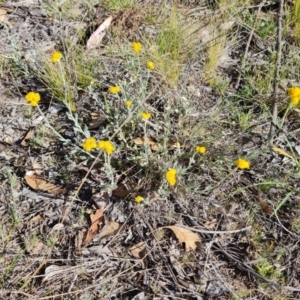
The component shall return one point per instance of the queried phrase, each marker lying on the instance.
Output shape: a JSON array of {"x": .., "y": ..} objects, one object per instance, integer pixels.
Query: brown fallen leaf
[
  {"x": 96, "y": 225},
  {"x": 186, "y": 236},
  {"x": 138, "y": 251},
  {"x": 121, "y": 191},
  {"x": 37, "y": 218},
  {"x": 110, "y": 228},
  {"x": 3, "y": 15},
  {"x": 37, "y": 182},
  {"x": 29, "y": 135},
  {"x": 97, "y": 36},
  {"x": 210, "y": 224},
  {"x": 141, "y": 140}
]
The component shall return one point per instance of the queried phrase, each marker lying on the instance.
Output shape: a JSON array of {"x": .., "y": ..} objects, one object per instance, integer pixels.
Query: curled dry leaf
[
  {"x": 110, "y": 228},
  {"x": 186, "y": 236},
  {"x": 29, "y": 135},
  {"x": 53, "y": 270},
  {"x": 148, "y": 141},
  {"x": 37, "y": 182},
  {"x": 138, "y": 251},
  {"x": 121, "y": 191},
  {"x": 96, "y": 225},
  {"x": 96, "y": 38}
]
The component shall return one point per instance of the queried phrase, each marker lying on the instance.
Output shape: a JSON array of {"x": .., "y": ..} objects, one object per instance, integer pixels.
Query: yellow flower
[
  {"x": 146, "y": 115},
  {"x": 294, "y": 93},
  {"x": 114, "y": 89},
  {"x": 200, "y": 149},
  {"x": 128, "y": 103},
  {"x": 150, "y": 65},
  {"x": 171, "y": 176},
  {"x": 33, "y": 98},
  {"x": 56, "y": 56},
  {"x": 242, "y": 163},
  {"x": 138, "y": 199},
  {"x": 177, "y": 144},
  {"x": 295, "y": 100},
  {"x": 89, "y": 144},
  {"x": 136, "y": 46},
  {"x": 107, "y": 146}
]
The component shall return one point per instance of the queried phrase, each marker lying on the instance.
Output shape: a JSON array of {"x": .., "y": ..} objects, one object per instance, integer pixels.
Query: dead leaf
[
  {"x": 186, "y": 236},
  {"x": 210, "y": 224},
  {"x": 174, "y": 144},
  {"x": 29, "y": 135},
  {"x": 58, "y": 226},
  {"x": 53, "y": 270},
  {"x": 36, "y": 248},
  {"x": 38, "y": 183},
  {"x": 110, "y": 228},
  {"x": 283, "y": 152},
  {"x": 38, "y": 168},
  {"x": 138, "y": 251},
  {"x": 121, "y": 191},
  {"x": 8, "y": 139},
  {"x": 96, "y": 38},
  {"x": 79, "y": 240},
  {"x": 37, "y": 218},
  {"x": 3, "y": 15},
  {"x": 96, "y": 225},
  {"x": 148, "y": 141}
]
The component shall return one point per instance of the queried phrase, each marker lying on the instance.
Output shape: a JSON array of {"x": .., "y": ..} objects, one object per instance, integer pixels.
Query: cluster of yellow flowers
[
  {"x": 91, "y": 143},
  {"x": 171, "y": 175},
  {"x": 33, "y": 98},
  {"x": 294, "y": 93}
]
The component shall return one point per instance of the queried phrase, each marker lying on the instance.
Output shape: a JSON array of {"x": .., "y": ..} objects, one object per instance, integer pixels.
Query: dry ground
[{"x": 203, "y": 91}]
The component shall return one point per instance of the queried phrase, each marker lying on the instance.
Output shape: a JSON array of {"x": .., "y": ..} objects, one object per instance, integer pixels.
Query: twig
[
  {"x": 214, "y": 231},
  {"x": 248, "y": 43},
  {"x": 277, "y": 73}
]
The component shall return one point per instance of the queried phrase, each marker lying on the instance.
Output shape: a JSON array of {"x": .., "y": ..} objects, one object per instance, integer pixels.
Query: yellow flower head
[
  {"x": 146, "y": 115},
  {"x": 136, "y": 46},
  {"x": 89, "y": 144},
  {"x": 294, "y": 93},
  {"x": 128, "y": 103},
  {"x": 242, "y": 163},
  {"x": 171, "y": 176},
  {"x": 33, "y": 98},
  {"x": 150, "y": 65},
  {"x": 56, "y": 56},
  {"x": 200, "y": 149},
  {"x": 138, "y": 199},
  {"x": 107, "y": 146},
  {"x": 114, "y": 89}
]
